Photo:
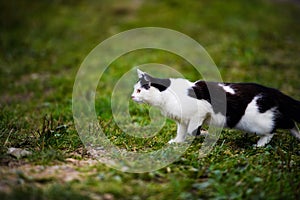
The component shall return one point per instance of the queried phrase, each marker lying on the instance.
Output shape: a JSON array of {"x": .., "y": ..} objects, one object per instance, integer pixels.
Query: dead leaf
[{"x": 18, "y": 152}]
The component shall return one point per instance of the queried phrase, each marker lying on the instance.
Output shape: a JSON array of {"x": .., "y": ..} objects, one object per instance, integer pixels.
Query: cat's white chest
[
  {"x": 172, "y": 110},
  {"x": 175, "y": 103}
]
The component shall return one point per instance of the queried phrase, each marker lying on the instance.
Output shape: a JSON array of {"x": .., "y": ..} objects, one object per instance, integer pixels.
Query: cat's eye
[{"x": 138, "y": 90}]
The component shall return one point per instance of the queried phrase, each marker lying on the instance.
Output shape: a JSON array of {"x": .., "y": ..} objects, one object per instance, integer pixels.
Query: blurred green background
[{"x": 42, "y": 44}]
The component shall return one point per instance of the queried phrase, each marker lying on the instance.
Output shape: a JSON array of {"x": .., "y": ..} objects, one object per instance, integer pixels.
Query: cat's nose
[{"x": 132, "y": 97}]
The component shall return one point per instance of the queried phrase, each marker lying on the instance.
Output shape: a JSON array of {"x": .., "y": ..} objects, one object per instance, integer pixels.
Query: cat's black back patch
[
  {"x": 237, "y": 102},
  {"x": 203, "y": 90},
  {"x": 161, "y": 84}
]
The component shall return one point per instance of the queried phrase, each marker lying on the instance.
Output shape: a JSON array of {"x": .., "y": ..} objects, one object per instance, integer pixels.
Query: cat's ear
[
  {"x": 143, "y": 75},
  {"x": 140, "y": 73}
]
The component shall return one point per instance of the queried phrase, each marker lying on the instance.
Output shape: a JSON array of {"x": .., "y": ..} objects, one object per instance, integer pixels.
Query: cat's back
[{"x": 238, "y": 91}]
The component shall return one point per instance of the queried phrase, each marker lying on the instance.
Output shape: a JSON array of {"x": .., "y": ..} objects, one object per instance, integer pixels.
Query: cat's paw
[
  {"x": 204, "y": 133},
  {"x": 259, "y": 145},
  {"x": 171, "y": 141},
  {"x": 175, "y": 141}
]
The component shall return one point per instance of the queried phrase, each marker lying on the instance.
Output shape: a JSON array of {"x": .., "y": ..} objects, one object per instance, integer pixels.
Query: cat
[{"x": 250, "y": 107}]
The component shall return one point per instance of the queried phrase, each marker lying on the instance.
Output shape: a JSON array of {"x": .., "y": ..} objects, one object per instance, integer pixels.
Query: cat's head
[{"x": 148, "y": 89}]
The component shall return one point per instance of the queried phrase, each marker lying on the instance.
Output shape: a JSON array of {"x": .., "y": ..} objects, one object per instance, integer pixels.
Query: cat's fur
[{"x": 249, "y": 107}]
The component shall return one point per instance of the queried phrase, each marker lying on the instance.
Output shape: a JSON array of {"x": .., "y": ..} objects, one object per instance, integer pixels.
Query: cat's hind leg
[
  {"x": 181, "y": 133},
  {"x": 295, "y": 132},
  {"x": 264, "y": 139}
]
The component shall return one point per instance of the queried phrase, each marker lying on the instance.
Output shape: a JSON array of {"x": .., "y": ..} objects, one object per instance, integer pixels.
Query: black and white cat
[{"x": 249, "y": 107}]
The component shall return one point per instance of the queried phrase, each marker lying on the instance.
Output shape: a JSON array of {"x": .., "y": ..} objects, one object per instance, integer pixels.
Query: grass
[{"x": 41, "y": 49}]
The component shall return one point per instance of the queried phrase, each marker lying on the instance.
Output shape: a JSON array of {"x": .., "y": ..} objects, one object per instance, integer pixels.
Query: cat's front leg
[
  {"x": 194, "y": 127},
  {"x": 181, "y": 134}
]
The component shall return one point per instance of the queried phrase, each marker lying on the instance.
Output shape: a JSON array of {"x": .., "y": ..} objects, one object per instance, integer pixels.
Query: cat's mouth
[{"x": 137, "y": 100}]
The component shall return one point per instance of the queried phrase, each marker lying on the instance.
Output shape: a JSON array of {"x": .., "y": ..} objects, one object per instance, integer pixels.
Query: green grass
[{"x": 42, "y": 45}]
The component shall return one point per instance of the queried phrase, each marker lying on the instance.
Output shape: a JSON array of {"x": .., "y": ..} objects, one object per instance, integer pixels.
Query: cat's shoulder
[{"x": 180, "y": 83}]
